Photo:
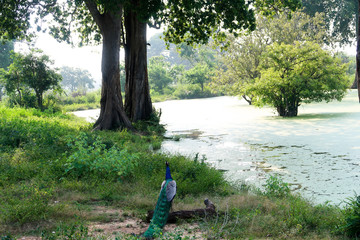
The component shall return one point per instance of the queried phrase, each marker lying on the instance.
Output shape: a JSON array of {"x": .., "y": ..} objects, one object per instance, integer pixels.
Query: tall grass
[{"x": 44, "y": 156}]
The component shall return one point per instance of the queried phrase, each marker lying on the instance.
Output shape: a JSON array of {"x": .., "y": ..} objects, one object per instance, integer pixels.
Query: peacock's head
[{"x": 168, "y": 174}]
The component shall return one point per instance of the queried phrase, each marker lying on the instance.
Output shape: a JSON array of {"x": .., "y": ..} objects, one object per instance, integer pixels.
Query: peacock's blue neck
[{"x": 168, "y": 174}]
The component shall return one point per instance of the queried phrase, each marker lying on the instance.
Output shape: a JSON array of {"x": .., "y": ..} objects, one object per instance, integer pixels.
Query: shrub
[
  {"x": 192, "y": 177},
  {"x": 275, "y": 187},
  {"x": 184, "y": 91},
  {"x": 352, "y": 217},
  {"x": 90, "y": 156},
  {"x": 75, "y": 231}
]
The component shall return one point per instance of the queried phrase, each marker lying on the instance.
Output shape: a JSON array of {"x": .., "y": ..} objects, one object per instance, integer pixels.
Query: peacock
[{"x": 163, "y": 205}]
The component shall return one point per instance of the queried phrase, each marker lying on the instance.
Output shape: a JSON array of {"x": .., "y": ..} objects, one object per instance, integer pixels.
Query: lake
[{"x": 317, "y": 153}]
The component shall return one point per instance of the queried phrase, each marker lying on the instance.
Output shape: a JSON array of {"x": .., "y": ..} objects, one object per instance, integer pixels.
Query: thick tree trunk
[
  {"x": 288, "y": 108},
  {"x": 358, "y": 51},
  {"x": 355, "y": 83},
  {"x": 287, "y": 112},
  {"x": 138, "y": 104},
  {"x": 112, "y": 114}
]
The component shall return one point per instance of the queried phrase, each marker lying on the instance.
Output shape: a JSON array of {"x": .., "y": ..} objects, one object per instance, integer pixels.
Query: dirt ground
[
  {"x": 117, "y": 223},
  {"x": 131, "y": 225}
]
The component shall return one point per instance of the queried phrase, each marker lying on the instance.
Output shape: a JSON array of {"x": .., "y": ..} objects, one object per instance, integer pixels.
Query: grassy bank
[{"x": 54, "y": 170}]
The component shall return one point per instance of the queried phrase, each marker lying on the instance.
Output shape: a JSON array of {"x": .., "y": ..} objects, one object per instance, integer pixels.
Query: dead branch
[{"x": 209, "y": 210}]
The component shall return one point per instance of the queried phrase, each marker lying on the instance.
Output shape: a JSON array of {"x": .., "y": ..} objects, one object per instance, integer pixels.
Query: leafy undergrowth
[{"x": 55, "y": 170}]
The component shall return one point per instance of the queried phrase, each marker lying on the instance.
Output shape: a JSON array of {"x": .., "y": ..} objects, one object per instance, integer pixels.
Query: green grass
[{"x": 53, "y": 169}]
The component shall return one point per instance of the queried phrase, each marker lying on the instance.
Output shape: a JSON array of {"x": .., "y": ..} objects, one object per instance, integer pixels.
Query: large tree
[
  {"x": 296, "y": 73},
  {"x": 342, "y": 18},
  {"x": 30, "y": 71},
  {"x": 159, "y": 73},
  {"x": 38, "y": 74},
  {"x": 76, "y": 79},
  {"x": 240, "y": 64},
  {"x": 116, "y": 23}
]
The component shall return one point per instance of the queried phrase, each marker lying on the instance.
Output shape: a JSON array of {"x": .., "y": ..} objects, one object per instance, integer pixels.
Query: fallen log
[{"x": 209, "y": 210}]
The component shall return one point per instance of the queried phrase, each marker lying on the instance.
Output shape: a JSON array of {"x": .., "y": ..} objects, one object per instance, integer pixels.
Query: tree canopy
[
  {"x": 76, "y": 79},
  {"x": 340, "y": 17},
  {"x": 240, "y": 64},
  {"x": 30, "y": 72},
  {"x": 296, "y": 73},
  {"x": 159, "y": 73}
]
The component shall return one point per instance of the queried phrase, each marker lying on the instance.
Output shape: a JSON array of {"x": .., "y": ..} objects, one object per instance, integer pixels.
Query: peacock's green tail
[{"x": 161, "y": 214}]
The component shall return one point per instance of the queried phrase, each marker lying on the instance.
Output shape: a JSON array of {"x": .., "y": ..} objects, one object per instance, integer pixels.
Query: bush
[
  {"x": 188, "y": 91},
  {"x": 33, "y": 128},
  {"x": 192, "y": 177},
  {"x": 352, "y": 217},
  {"x": 91, "y": 157},
  {"x": 151, "y": 126},
  {"x": 276, "y": 187},
  {"x": 74, "y": 231}
]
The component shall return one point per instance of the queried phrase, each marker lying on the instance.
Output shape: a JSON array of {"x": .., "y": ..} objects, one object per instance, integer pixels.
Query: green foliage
[
  {"x": 35, "y": 192},
  {"x": 91, "y": 157},
  {"x": 188, "y": 91},
  {"x": 159, "y": 73},
  {"x": 275, "y": 187},
  {"x": 32, "y": 203},
  {"x": 75, "y": 79},
  {"x": 30, "y": 74},
  {"x": 192, "y": 177},
  {"x": 293, "y": 217},
  {"x": 199, "y": 74},
  {"x": 340, "y": 17},
  {"x": 151, "y": 126},
  {"x": 351, "y": 63},
  {"x": 75, "y": 102},
  {"x": 183, "y": 81},
  {"x": 240, "y": 64},
  {"x": 352, "y": 218},
  {"x": 15, "y": 17},
  {"x": 185, "y": 21},
  {"x": 271, "y": 7},
  {"x": 20, "y": 127},
  {"x": 76, "y": 231},
  {"x": 205, "y": 18},
  {"x": 298, "y": 73}
]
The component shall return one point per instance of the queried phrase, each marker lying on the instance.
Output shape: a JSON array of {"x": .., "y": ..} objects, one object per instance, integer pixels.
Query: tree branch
[
  {"x": 98, "y": 18},
  {"x": 209, "y": 210}
]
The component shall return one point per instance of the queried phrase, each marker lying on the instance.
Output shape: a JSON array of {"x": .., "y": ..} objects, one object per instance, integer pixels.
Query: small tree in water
[{"x": 296, "y": 73}]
